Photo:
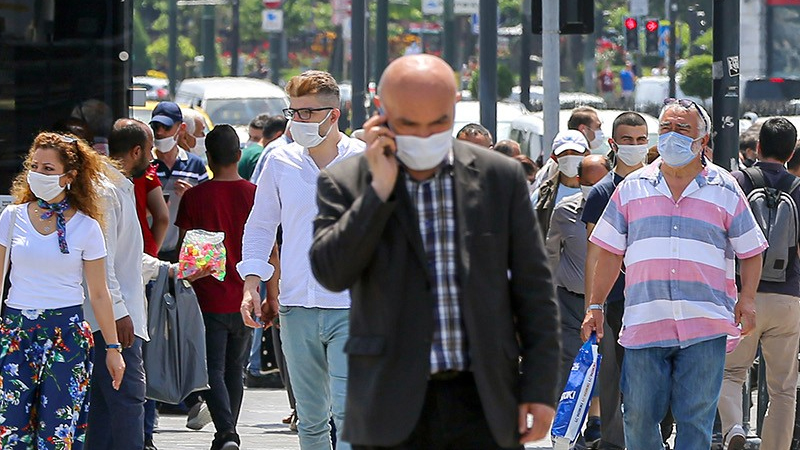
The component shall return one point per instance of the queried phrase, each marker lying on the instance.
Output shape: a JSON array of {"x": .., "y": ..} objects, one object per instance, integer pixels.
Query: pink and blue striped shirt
[{"x": 679, "y": 256}]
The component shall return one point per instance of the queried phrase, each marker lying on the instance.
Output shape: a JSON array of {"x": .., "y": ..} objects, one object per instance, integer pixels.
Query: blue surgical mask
[{"x": 676, "y": 149}]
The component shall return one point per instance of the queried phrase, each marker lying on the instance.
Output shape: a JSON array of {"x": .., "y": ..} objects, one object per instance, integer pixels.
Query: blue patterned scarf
[{"x": 61, "y": 224}]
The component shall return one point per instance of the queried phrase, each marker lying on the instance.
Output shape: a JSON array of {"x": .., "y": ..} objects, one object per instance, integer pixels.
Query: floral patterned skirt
[{"x": 45, "y": 367}]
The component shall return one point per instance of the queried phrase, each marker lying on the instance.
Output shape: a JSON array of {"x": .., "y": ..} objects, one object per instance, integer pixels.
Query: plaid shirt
[{"x": 434, "y": 201}]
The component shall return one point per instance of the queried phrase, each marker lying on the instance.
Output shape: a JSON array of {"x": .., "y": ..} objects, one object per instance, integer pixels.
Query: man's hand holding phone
[{"x": 381, "y": 149}]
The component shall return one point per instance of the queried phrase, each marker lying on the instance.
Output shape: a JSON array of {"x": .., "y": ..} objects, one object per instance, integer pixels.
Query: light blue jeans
[
  {"x": 686, "y": 379},
  {"x": 313, "y": 342}
]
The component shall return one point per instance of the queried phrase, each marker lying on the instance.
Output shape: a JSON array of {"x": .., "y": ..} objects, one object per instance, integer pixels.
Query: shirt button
[
  {"x": 673, "y": 270},
  {"x": 675, "y": 227}
]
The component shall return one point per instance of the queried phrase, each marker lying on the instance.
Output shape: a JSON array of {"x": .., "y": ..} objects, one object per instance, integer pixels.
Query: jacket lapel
[
  {"x": 467, "y": 193},
  {"x": 407, "y": 217}
]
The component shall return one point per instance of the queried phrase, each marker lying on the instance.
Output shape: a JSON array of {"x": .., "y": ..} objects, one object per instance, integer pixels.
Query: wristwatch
[{"x": 594, "y": 307}]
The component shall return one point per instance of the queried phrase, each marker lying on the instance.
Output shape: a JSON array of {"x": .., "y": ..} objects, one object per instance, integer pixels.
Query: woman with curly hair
[{"x": 54, "y": 235}]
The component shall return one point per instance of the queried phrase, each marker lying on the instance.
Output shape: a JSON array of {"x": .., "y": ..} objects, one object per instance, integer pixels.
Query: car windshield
[{"x": 240, "y": 111}]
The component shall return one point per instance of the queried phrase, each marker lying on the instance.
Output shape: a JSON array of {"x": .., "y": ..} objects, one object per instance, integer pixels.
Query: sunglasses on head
[{"x": 687, "y": 104}]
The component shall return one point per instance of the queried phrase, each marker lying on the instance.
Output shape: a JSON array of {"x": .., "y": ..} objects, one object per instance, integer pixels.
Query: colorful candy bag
[{"x": 202, "y": 249}]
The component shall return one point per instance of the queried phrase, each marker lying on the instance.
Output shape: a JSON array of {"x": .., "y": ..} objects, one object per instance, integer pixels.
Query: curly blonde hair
[{"x": 77, "y": 156}]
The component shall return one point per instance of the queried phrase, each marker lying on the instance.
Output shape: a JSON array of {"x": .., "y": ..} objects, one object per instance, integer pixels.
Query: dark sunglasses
[{"x": 302, "y": 113}]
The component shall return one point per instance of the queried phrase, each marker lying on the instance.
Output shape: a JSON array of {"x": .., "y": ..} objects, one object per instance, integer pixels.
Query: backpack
[{"x": 775, "y": 212}]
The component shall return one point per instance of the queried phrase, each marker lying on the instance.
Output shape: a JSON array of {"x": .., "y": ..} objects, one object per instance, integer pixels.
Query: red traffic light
[
  {"x": 630, "y": 23},
  {"x": 651, "y": 26}
]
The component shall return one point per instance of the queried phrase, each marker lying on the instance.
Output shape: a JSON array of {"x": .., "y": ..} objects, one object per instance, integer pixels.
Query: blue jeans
[
  {"x": 254, "y": 361},
  {"x": 313, "y": 342},
  {"x": 686, "y": 379},
  {"x": 125, "y": 405}
]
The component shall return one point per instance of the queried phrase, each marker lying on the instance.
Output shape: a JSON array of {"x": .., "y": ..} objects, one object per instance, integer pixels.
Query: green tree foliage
[
  {"x": 157, "y": 52},
  {"x": 696, "y": 76},
  {"x": 505, "y": 81},
  {"x": 141, "y": 61}
]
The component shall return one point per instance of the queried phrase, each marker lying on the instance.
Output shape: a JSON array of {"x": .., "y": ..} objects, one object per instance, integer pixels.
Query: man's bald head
[
  {"x": 418, "y": 95},
  {"x": 417, "y": 71},
  {"x": 592, "y": 169}
]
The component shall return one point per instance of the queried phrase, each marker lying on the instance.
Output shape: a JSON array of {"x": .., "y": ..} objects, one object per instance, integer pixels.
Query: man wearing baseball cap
[
  {"x": 569, "y": 148},
  {"x": 178, "y": 171}
]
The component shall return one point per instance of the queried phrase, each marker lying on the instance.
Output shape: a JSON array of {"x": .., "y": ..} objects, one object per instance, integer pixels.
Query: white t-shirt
[{"x": 41, "y": 276}]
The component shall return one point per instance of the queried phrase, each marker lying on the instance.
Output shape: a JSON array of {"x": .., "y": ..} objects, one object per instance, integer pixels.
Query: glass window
[
  {"x": 58, "y": 59},
  {"x": 783, "y": 58}
]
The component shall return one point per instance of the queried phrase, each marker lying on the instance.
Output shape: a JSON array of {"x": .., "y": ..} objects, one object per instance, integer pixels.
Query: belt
[{"x": 448, "y": 375}]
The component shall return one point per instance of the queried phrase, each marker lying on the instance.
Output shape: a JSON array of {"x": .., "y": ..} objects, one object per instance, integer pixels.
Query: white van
[
  {"x": 528, "y": 131},
  {"x": 469, "y": 111},
  {"x": 653, "y": 90},
  {"x": 232, "y": 100}
]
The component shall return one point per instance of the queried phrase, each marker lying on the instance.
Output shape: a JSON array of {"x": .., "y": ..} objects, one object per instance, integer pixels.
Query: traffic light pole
[
  {"x": 525, "y": 56},
  {"x": 551, "y": 67},
  {"x": 487, "y": 88},
  {"x": 673, "y": 37},
  {"x": 359, "y": 61},
  {"x": 726, "y": 83}
]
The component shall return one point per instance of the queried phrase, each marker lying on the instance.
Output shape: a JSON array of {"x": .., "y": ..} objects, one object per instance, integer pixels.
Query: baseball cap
[
  {"x": 167, "y": 114},
  {"x": 570, "y": 140}
]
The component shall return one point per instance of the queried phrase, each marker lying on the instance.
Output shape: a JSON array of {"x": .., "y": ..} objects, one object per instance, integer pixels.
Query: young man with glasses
[
  {"x": 678, "y": 223},
  {"x": 314, "y": 321}
]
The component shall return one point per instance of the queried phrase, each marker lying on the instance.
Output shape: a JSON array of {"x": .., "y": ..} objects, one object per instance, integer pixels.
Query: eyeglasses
[
  {"x": 303, "y": 113},
  {"x": 686, "y": 103}
]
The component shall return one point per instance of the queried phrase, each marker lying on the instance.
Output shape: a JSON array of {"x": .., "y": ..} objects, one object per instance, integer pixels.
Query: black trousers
[{"x": 452, "y": 418}]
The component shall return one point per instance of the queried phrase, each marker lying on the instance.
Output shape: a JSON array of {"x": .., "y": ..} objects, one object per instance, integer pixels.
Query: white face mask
[
  {"x": 568, "y": 165},
  {"x": 199, "y": 148},
  {"x": 164, "y": 145},
  {"x": 585, "y": 191},
  {"x": 45, "y": 187},
  {"x": 632, "y": 155},
  {"x": 307, "y": 133},
  {"x": 599, "y": 137},
  {"x": 424, "y": 153}
]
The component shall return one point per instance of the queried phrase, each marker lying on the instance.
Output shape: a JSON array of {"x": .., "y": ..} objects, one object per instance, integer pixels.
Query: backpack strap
[
  {"x": 756, "y": 177},
  {"x": 788, "y": 184}
]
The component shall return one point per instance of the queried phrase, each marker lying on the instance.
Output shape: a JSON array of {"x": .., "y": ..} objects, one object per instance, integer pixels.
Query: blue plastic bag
[{"x": 574, "y": 404}]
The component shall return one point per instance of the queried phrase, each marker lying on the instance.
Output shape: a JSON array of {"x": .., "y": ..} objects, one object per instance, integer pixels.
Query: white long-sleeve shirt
[
  {"x": 125, "y": 247},
  {"x": 287, "y": 195}
]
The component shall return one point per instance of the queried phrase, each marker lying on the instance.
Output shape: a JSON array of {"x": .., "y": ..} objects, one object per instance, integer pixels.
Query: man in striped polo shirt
[{"x": 678, "y": 224}]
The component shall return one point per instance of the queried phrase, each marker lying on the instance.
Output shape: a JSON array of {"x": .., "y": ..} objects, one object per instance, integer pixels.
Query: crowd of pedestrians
[{"x": 421, "y": 291}]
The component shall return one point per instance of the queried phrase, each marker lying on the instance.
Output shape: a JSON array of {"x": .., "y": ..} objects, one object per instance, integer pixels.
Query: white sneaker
[
  {"x": 198, "y": 417},
  {"x": 735, "y": 439}
]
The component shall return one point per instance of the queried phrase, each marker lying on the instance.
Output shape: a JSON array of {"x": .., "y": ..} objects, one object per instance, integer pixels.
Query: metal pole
[
  {"x": 551, "y": 66},
  {"x": 726, "y": 83},
  {"x": 673, "y": 37},
  {"x": 525, "y": 56},
  {"x": 209, "y": 53},
  {"x": 359, "y": 58},
  {"x": 234, "y": 38},
  {"x": 487, "y": 87},
  {"x": 381, "y": 38},
  {"x": 450, "y": 35},
  {"x": 172, "y": 50},
  {"x": 275, "y": 57}
]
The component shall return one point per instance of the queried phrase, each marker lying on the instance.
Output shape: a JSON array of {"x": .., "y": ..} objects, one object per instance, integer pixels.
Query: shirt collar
[
  {"x": 182, "y": 155},
  {"x": 709, "y": 175}
]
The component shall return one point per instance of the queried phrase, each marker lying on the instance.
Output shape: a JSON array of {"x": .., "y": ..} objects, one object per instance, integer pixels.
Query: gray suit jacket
[{"x": 375, "y": 250}]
